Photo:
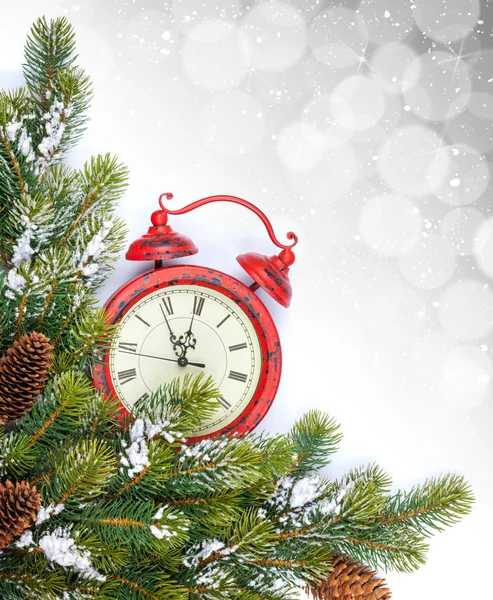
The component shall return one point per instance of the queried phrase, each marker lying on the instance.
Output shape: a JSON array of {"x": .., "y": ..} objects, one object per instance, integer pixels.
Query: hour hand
[
  {"x": 173, "y": 339},
  {"x": 187, "y": 340}
]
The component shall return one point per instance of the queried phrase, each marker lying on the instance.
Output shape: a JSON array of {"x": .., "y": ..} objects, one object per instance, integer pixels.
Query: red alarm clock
[{"x": 176, "y": 320}]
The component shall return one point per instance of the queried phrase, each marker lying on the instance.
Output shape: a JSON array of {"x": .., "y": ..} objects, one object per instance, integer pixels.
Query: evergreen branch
[
  {"x": 135, "y": 587},
  {"x": 84, "y": 470},
  {"x": 125, "y": 522},
  {"x": 183, "y": 404},
  {"x": 433, "y": 505},
  {"x": 135, "y": 481},
  {"x": 383, "y": 548},
  {"x": 49, "y": 47},
  {"x": 13, "y": 162},
  {"x": 16, "y": 455},
  {"x": 20, "y": 316},
  {"x": 315, "y": 437},
  {"x": 103, "y": 182}
]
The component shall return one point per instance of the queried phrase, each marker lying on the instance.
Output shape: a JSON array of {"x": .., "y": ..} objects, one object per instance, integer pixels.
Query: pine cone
[
  {"x": 19, "y": 505},
  {"x": 23, "y": 374},
  {"x": 351, "y": 581}
]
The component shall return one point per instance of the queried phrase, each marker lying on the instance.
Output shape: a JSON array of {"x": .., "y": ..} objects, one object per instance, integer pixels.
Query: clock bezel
[{"x": 129, "y": 294}]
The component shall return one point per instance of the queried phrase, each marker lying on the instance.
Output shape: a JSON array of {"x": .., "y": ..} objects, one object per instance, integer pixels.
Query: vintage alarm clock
[{"x": 183, "y": 319}]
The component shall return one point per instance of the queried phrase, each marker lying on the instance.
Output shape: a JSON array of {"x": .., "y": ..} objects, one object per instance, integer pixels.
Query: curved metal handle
[{"x": 235, "y": 200}]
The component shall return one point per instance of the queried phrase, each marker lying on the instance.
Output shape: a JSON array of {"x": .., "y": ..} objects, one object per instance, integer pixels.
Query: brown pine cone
[
  {"x": 23, "y": 374},
  {"x": 19, "y": 505},
  {"x": 351, "y": 581}
]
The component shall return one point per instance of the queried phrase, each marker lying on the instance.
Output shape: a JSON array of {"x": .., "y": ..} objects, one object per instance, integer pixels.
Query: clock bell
[{"x": 162, "y": 242}]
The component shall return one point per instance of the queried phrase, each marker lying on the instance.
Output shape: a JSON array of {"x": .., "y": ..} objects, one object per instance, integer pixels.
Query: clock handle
[{"x": 286, "y": 256}]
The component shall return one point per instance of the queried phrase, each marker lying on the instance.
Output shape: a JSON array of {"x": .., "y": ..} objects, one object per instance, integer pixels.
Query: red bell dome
[
  {"x": 161, "y": 242},
  {"x": 270, "y": 273}
]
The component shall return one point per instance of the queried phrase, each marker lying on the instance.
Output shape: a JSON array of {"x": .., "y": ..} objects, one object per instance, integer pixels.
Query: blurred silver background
[{"x": 366, "y": 128}]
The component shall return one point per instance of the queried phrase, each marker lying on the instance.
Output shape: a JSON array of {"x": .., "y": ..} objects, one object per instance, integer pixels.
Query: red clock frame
[{"x": 133, "y": 291}]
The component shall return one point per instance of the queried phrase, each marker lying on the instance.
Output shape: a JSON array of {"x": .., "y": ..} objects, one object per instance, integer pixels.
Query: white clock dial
[{"x": 222, "y": 343}]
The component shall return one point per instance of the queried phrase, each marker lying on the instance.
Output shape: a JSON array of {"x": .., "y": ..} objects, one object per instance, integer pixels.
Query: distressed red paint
[{"x": 133, "y": 291}]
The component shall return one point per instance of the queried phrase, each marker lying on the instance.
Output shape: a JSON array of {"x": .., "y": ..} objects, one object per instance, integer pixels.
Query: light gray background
[{"x": 365, "y": 128}]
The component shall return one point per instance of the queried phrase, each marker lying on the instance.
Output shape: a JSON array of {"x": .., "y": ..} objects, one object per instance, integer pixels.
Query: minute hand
[
  {"x": 173, "y": 339},
  {"x": 192, "y": 364}
]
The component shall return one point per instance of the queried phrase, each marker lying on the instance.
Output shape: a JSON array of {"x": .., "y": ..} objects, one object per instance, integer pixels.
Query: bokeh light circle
[
  {"x": 446, "y": 21},
  {"x": 388, "y": 65},
  {"x": 412, "y": 160},
  {"x": 330, "y": 179},
  {"x": 81, "y": 13},
  {"x": 481, "y": 70},
  {"x": 16, "y": 26},
  {"x": 278, "y": 87},
  {"x": 187, "y": 14},
  {"x": 300, "y": 146},
  {"x": 150, "y": 36},
  {"x": 317, "y": 113},
  {"x": 466, "y": 377},
  {"x": 437, "y": 86},
  {"x": 460, "y": 227},
  {"x": 214, "y": 56},
  {"x": 357, "y": 103},
  {"x": 233, "y": 123},
  {"x": 321, "y": 78},
  {"x": 95, "y": 55},
  {"x": 483, "y": 247},
  {"x": 386, "y": 21},
  {"x": 429, "y": 264},
  {"x": 277, "y": 35},
  {"x": 338, "y": 38},
  {"x": 389, "y": 225},
  {"x": 474, "y": 126},
  {"x": 392, "y": 314},
  {"x": 466, "y": 179},
  {"x": 466, "y": 310}
]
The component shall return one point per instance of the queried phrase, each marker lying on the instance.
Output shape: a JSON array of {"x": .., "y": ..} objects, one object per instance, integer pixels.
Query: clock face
[
  {"x": 187, "y": 329},
  {"x": 187, "y": 319}
]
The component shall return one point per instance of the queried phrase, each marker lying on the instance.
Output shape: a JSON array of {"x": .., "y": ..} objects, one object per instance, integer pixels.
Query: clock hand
[
  {"x": 194, "y": 364},
  {"x": 188, "y": 340},
  {"x": 182, "y": 361},
  {"x": 173, "y": 339}
]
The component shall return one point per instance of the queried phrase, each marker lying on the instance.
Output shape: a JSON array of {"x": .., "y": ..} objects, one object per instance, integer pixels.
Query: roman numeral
[
  {"x": 224, "y": 403},
  {"x": 167, "y": 305},
  {"x": 223, "y": 321},
  {"x": 142, "y": 320},
  {"x": 238, "y": 347},
  {"x": 127, "y": 375},
  {"x": 198, "y": 305},
  {"x": 127, "y": 347},
  {"x": 238, "y": 376},
  {"x": 144, "y": 397}
]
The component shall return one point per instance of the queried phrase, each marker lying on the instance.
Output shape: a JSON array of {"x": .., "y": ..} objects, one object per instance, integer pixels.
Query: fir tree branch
[
  {"x": 433, "y": 505},
  {"x": 315, "y": 438},
  {"x": 13, "y": 162},
  {"x": 135, "y": 481}
]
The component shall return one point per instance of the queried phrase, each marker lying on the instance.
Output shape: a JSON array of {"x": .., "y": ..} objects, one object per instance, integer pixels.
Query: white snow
[
  {"x": 137, "y": 454},
  {"x": 15, "y": 282},
  {"x": 61, "y": 549},
  {"x": 90, "y": 270},
  {"x": 11, "y": 129},
  {"x": 304, "y": 491},
  {"x": 207, "y": 548},
  {"x": 22, "y": 249},
  {"x": 96, "y": 244},
  {"x": 45, "y": 513},
  {"x": 159, "y": 514},
  {"x": 54, "y": 129},
  {"x": 25, "y": 540},
  {"x": 162, "y": 532}
]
